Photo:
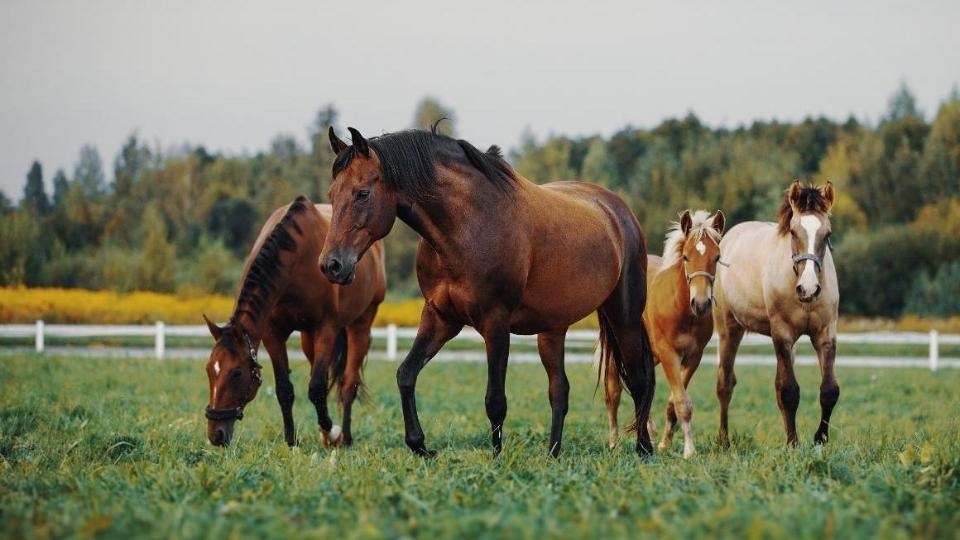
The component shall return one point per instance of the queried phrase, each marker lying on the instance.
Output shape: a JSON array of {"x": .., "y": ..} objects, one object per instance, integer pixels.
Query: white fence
[{"x": 580, "y": 343}]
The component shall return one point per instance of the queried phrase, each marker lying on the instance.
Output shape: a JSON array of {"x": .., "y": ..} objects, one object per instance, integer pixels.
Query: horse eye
[
  {"x": 685, "y": 258},
  {"x": 363, "y": 194},
  {"x": 236, "y": 375}
]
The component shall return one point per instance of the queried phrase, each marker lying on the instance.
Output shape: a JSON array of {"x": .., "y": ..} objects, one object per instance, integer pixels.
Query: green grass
[{"x": 116, "y": 448}]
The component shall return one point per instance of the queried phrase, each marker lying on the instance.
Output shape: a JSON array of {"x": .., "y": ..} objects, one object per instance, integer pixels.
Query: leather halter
[
  {"x": 703, "y": 273},
  {"x": 800, "y": 257},
  {"x": 236, "y": 413}
]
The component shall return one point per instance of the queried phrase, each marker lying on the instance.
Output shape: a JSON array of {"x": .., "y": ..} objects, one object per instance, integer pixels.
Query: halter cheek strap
[{"x": 255, "y": 379}]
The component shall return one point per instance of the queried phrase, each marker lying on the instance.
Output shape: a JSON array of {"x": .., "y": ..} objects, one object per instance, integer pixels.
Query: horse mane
[
  {"x": 811, "y": 199},
  {"x": 674, "y": 240},
  {"x": 408, "y": 160},
  {"x": 259, "y": 280}
]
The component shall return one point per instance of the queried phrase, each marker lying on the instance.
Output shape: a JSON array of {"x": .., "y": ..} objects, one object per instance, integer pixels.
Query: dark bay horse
[
  {"x": 498, "y": 253},
  {"x": 281, "y": 290},
  {"x": 678, "y": 318},
  {"x": 781, "y": 282}
]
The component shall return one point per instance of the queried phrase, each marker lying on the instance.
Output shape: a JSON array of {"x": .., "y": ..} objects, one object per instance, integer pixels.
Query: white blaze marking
[
  {"x": 811, "y": 224},
  {"x": 216, "y": 367},
  {"x": 701, "y": 248},
  {"x": 808, "y": 278}
]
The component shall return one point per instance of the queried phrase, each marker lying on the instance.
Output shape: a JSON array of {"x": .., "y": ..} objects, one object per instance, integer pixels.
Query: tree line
[{"x": 184, "y": 219}]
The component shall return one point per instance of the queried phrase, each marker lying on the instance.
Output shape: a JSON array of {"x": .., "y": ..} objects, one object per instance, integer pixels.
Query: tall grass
[{"x": 116, "y": 448}]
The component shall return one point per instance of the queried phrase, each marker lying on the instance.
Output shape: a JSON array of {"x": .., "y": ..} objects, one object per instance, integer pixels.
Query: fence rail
[{"x": 580, "y": 343}]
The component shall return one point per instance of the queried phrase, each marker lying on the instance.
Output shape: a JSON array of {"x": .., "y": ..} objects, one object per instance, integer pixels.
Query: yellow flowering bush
[{"x": 79, "y": 306}]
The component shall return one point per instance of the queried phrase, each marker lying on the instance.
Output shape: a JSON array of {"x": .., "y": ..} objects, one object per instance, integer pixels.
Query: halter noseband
[
  {"x": 255, "y": 380},
  {"x": 703, "y": 273},
  {"x": 800, "y": 257}
]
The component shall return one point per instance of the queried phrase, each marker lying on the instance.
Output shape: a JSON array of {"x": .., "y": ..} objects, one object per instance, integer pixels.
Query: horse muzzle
[
  {"x": 805, "y": 295},
  {"x": 339, "y": 269},
  {"x": 700, "y": 307},
  {"x": 220, "y": 433}
]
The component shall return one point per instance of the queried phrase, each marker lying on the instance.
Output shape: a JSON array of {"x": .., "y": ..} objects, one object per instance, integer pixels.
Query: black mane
[
  {"x": 260, "y": 280},
  {"x": 409, "y": 158}
]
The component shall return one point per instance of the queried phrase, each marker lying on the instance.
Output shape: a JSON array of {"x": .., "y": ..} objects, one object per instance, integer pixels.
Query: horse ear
[
  {"x": 793, "y": 195},
  {"x": 686, "y": 222},
  {"x": 335, "y": 143},
  {"x": 359, "y": 142},
  {"x": 828, "y": 194},
  {"x": 719, "y": 221},
  {"x": 215, "y": 330}
]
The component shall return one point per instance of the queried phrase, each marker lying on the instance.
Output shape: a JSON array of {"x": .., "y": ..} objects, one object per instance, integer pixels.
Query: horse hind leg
[
  {"x": 358, "y": 345},
  {"x": 829, "y": 387},
  {"x": 322, "y": 348},
  {"x": 550, "y": 346}
]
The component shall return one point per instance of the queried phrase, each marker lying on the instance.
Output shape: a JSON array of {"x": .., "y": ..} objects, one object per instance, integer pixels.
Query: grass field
[{"x": 116, "y": 449}]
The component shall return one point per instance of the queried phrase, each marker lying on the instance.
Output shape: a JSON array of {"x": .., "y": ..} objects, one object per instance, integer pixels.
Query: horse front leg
[
  {"x": 788, "y": 391},
  {"x": 829, "y": 386},
  {"x": 550, "y": 346},
  {"x": 277, "y": 349},
  {"x": 679, "y": 405},
  {"x": 613, "y": 389},
  {"x": 496, "y": 337},
  {"x": 431, "y": 335},
  {"x": 730, "y": 334}
]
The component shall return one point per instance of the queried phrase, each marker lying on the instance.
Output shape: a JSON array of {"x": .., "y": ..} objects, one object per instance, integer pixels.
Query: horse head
[
  {"x": 234, "y": 375},
  {"x": 805, "y": 216},
  {"x": 364, "y": 207},
  {"x": 700, "y": 254}
]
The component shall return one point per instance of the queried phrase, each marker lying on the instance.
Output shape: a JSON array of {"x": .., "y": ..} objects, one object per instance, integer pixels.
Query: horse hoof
[
  {"x": 426, "y": 454},
  {"x": 334, "y": 437}
]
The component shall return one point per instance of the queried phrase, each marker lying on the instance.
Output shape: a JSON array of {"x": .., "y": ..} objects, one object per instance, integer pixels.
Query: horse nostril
[
  {"x": 333, "y": 267},
  {"x": 799, "y": 291},
  {"x": 219, "y": 437}
]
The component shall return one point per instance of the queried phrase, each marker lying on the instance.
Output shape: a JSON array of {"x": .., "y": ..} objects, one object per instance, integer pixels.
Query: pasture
[{"x": 97, "y": 447}]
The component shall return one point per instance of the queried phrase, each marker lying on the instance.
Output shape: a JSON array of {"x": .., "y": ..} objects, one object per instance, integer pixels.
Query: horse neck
[
  {"x": 254, "y": 304},
  {"x": 446, "y": 222},
  {"x": 677, "y": 290}
]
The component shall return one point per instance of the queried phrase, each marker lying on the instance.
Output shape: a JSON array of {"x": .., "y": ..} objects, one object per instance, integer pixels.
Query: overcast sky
[{"x": 232, "y": 75}]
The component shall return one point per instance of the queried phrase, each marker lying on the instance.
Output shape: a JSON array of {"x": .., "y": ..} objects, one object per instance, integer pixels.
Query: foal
[{"x": 677, "y": 317}]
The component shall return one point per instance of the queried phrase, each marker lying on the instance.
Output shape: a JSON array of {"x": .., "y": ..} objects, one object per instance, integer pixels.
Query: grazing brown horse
[
  {"x": 282, "y": 290},
  {"x": 781, "y": 283},
  {"x": 677, "y": 317},
  {"x": 498, "y": 253}
]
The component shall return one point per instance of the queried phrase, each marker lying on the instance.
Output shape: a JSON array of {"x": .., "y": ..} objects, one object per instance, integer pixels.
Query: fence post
[
  {"x": 39, "y": 340},
  {"x": 160, "y": 342},
  {"x": 934, "y": 350},
  {"x": 392, "y": 341}
]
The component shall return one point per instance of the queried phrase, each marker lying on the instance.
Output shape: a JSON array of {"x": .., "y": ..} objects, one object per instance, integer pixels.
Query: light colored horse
[
  {"x": 678, "y": 319},
  {"x": 781, "y": 282}
]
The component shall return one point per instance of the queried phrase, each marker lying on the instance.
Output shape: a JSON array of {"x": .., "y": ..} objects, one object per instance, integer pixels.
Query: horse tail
[
  {"x": 646, "y": 360},
  {"x": 610, "y": 353},
  {"x": 338, "y": 362}
]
